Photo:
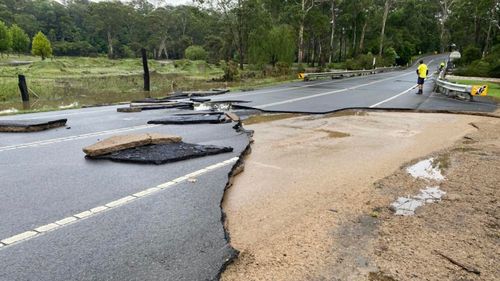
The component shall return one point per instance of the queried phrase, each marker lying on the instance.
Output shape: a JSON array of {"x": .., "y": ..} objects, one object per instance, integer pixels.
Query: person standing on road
[{"x": 422, "y": 72}]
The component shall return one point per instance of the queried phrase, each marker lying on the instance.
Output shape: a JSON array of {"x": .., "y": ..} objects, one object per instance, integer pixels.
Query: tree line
[{"x": 258, "y": 32}]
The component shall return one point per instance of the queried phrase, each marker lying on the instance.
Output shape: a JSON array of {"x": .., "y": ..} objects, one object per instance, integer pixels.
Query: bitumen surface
[{"x": 175, "y": 233}]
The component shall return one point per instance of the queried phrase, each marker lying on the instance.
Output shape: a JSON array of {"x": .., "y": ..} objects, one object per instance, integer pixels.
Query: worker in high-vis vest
[
  {"x": 442, "y": 65},
  {"x": 422, "y": 72}
]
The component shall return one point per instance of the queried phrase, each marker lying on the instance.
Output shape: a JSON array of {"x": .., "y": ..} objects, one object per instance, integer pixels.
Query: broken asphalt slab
[
  {"x": 30, "y": 125},
  {"x": 117, "y": 143},
  {"x": 163, "y": 153},
  {"x": 192, "y": 119}
]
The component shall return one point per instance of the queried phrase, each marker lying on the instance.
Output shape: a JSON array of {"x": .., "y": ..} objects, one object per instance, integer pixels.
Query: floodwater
[{"x": 65, "y": 93}]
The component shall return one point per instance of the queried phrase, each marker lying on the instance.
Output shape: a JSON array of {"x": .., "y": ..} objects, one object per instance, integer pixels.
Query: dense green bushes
[
  {"x": 471, "y": 63},
  {"x": 196, "y": 53}
]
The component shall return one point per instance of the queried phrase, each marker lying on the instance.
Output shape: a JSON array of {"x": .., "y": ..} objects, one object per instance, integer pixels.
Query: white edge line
[
  {"x": 393, "y": 97},
  {"x": 77, "y": 137},
  {"x": 40, "y": 230}
]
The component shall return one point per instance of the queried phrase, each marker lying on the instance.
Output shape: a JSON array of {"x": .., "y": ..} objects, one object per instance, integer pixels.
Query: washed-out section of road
[{"x": 290, "y": 213}]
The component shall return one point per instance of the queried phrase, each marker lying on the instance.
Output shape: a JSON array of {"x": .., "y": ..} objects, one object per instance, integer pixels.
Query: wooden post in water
[
  {"x": 23, "y": 87},
  {"x": 146, "y": 70}
]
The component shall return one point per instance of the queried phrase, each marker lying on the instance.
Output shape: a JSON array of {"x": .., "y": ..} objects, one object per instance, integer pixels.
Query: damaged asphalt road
[{"x": 175, "y": 233}]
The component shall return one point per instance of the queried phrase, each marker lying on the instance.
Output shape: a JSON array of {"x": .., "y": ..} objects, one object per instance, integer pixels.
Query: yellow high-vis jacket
[{"x": 422, "y": 71}]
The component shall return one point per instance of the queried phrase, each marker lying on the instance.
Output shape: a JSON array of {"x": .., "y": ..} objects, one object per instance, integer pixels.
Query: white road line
[
  {"x": 77, "y": 137},
  {"x": 43, "y": 116},
  {"x": 398, "y": 95},
  {"x": 393, "y": 97},
  {"x": 330, "y": 92},
  {"x": 22, "y": 237},
  {"x": 263, "y": 91}
]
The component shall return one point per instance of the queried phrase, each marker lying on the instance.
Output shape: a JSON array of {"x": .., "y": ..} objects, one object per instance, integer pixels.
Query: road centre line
[
  {"x": 330, "y": 92},
  {"x": 258, "y": 92},
  {"x": 40, "y": 230},
  {"x": 77, "y": 137}
]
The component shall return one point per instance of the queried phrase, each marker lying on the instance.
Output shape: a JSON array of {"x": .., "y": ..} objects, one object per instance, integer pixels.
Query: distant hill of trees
[{"x": 258, "y": 31}]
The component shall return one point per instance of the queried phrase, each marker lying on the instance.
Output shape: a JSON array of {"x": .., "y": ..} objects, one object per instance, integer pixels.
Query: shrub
[
  {"x": 231, "y": 72},
  {"x": 471, "y": 53},
  {"x": 41, "y": 46},
  {"x": 390, "y": 56},
  {"x": 282, "y": 68},
  {"x": 80, "y": 48},
  {"x": 195, "y": 53},
  {"x": 301, "y": 68}
]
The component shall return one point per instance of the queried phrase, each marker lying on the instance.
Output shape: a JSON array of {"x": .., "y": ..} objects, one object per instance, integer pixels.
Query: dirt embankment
[{"x": 311, "y": 204}]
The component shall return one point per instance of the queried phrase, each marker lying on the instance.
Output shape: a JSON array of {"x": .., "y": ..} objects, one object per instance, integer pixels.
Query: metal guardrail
[
  {"x": 452, "y": 89},
  {"x": 346, "y": 73}
]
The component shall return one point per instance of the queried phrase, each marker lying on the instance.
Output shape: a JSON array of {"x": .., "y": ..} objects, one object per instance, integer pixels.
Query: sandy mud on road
[{"x": 313, "y": 201}]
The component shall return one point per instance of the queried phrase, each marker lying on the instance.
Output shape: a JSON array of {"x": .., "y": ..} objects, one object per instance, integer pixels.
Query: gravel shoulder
[{"x": 312, "y": 203}]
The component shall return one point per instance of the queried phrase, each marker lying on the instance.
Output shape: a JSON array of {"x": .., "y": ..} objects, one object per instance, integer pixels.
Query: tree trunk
[
  {"x": 442, "y": 38},
  {"x": 110, "y": 45},
  {"x": 301, "y": 41},
  {"x": 162, "y": 48},
  {"x": 362, "y": 38},
  {"x": 240, "y": 35},
  {"x": 384, "y": 20},
  {"x": 313, "y": 53},
  {"x": 332, "y": 35},
  {"x": 354, "y": 39},
  {"x": 445, "y": 7},
  {"x": 487, "y": 43}
]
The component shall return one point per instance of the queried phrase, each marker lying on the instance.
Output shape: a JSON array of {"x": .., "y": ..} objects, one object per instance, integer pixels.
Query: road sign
[{"x": 479, "y": 90}]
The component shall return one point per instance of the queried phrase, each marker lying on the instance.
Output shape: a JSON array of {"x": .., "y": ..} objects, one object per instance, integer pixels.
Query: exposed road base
[
  {"x": 368, "y": 109},
  {"x": 163, "y": 153},
  {"x": 19, "y": 126},
  {"x": 306, "y": 207}
]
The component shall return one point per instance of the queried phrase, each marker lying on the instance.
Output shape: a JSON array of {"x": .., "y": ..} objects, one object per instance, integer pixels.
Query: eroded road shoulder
[{"x": 306, "y": 207}]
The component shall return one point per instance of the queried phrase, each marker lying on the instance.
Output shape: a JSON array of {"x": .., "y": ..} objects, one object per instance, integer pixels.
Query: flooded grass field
[{"x": 64, "y": 83}]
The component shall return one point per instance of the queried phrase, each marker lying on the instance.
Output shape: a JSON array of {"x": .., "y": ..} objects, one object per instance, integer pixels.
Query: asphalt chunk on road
[
  {"x": 163, "y": 153},
  {"x": 192, "y": 119},
  {"x": 17, "y": 126}
]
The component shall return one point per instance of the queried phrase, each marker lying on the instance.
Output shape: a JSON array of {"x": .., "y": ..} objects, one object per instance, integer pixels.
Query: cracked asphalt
[{"x": 177, "y": 232}]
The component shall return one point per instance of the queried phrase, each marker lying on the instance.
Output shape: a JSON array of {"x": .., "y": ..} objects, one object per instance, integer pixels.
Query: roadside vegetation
[
  {"x": 474, "y": 63},
  {"x": 91, "y": 48}
]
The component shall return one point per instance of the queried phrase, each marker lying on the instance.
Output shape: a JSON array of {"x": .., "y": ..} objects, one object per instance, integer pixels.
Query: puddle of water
[
  {"x": 406, "y": 206},
  {"x": 263, "y": 118},
  {"x": 426, "y": 169},
  {"x": 72, "y": 105},
  {"x": 9, "y": 111}
]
